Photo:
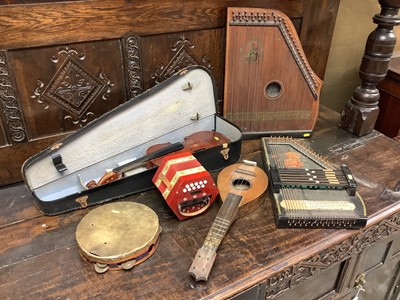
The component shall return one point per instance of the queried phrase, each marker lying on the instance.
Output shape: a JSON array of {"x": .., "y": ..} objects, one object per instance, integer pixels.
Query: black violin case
[{"x": 167, "y": 113}]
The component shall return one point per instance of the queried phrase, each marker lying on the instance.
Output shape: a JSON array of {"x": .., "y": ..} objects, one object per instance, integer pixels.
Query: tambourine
[{"x": 118, "y": 235}]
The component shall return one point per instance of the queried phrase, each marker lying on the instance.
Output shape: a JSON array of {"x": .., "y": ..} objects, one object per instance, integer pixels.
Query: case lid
[{"x": 184, "y": 99}]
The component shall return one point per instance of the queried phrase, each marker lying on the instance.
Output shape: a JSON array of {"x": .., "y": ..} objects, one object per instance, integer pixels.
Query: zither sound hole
[
  {"x": 241, "y": 184},
  {"x": 273, "y": 89}
]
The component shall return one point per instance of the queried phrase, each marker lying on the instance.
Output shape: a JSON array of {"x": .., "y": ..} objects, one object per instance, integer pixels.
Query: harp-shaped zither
[{"x": 270, "y": 88}]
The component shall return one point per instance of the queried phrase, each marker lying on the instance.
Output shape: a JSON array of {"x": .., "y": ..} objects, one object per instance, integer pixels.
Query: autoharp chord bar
[
  {"x": 301, "y": 174},
  {"x": 313, "y": 178}
]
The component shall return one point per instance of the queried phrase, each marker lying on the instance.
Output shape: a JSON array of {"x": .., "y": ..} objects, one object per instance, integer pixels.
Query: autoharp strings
[
  {"x": 309, "y": 208},
  {"x": 317, "y": 202},
  {"x": 284, "y": 156}
]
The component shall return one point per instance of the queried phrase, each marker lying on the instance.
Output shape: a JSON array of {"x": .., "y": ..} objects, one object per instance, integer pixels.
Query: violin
[{"x": 195, "y": 142}]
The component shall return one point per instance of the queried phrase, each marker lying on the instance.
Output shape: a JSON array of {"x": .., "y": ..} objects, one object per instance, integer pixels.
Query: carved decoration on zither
[
  {"x": 134, "y": 68},
  {"x": 295, "y": 275},
  {"x": 14, "y": 123},
  {"x": 183, "y": 58},
  {"x": 72, "y": 88},
  {"x": 272, "y": 19}
]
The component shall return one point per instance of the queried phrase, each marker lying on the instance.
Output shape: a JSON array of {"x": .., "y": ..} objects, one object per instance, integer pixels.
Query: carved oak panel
[
  {"x": 164, "y": 55},
  {"x": 13, "y": 125},
  {"x": 67, "y": 85},
  {"x": 133, "y": 63},
  {"x": 3, "y": 140},
  {"x": 315, "y": 266},
  {"x": 379, "y": 265}
]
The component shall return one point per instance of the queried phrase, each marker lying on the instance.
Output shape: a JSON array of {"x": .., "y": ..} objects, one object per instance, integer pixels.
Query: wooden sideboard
[
  {"x": 65, "y": 63},
  {"x": 39, "y": 256},
  {"x": 388, "y": 121}
]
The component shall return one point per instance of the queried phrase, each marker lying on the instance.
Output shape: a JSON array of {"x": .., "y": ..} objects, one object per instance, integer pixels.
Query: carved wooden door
[{"x": 378, "y": 270}]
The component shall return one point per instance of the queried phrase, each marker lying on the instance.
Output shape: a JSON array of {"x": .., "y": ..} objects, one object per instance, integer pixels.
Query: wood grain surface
[{"x": 39, "y": 257}]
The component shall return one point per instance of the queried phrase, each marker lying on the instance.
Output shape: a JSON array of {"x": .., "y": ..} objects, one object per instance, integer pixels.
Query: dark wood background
[{"x": 64, "y": 63}]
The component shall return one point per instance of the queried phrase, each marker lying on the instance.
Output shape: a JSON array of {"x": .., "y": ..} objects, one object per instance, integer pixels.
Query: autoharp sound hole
[
  {"x": 273, "y": 89},
  {"x": 241, "y": 184}
]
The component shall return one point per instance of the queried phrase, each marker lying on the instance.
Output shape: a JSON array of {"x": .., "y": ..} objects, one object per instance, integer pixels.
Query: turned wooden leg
[{"x": 360, "y": 113}]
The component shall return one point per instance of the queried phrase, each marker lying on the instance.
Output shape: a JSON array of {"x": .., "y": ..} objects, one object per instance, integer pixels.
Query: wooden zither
[
  {"x": 270, "y": 88},
  {"x": 118, "y": 236},
  {"x": 308, "y": 191}
]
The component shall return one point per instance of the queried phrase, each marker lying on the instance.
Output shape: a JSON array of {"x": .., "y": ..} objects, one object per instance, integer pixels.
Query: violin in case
[{"x": 116, "y": 155}]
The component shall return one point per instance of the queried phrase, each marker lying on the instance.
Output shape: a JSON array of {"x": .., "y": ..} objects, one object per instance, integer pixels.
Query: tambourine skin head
[{"x": 120, "y": 235}]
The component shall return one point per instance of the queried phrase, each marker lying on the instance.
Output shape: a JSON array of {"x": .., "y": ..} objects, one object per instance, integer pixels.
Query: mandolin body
[{"x": 251, "y": 197}]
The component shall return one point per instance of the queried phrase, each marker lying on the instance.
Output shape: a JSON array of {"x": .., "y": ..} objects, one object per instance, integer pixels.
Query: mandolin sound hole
[
  {"x": 241, "y": 184},
  {"x": 273, "y": 89}
]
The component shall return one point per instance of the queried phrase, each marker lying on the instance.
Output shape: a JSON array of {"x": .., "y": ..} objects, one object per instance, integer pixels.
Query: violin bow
[{"x": 140, "y": 161}]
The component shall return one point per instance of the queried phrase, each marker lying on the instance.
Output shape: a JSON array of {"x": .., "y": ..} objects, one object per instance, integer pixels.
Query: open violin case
[{"x": 170, "y": 112}]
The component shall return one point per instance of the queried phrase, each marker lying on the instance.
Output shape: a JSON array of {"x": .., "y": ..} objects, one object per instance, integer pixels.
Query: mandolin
[{"x": 240, "y": 186}]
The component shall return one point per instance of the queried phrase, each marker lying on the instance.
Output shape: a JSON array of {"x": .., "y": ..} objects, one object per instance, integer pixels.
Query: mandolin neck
[
  {"x": 205, "y": 256},
  {"x": 225, "y": 217}
]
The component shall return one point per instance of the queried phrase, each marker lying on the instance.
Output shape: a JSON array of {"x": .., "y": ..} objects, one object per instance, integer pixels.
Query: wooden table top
[{"x": 39, "y": 257}]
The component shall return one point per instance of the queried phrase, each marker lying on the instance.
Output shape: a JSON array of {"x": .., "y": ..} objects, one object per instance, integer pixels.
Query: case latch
[
  {"x": 225, "y": 151},
  {"x": 82, "y": 201},
  {"x": 58, "y": 163}
]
